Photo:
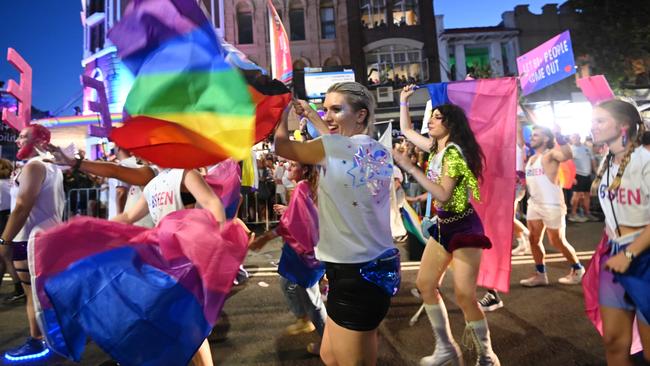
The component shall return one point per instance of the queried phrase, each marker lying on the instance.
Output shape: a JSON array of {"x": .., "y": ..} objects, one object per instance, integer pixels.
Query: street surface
[{"x": 537, "y": 326}]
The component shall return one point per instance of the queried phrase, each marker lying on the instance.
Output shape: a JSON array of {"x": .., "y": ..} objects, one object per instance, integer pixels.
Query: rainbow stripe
[
  {"x": 190, "y": 107},
  {"x": 89, "y": 119}
]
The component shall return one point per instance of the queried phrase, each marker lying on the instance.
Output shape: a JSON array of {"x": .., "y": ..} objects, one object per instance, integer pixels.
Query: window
[
  {"x": 244, "y": 25},
  {"x": 396, "y": 65},
  {"x": 94, "y": 6},
  {"x": 97, "y": 37},
  {"x": 373, "y": 13},
  {"x": 297, "y": 21},
  {"x": 405, "y": 12},
  {"x": 327, "y": 22}
]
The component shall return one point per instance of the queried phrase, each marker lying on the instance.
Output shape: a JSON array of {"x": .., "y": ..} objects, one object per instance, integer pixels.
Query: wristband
[{"x": 403, "y": 104}]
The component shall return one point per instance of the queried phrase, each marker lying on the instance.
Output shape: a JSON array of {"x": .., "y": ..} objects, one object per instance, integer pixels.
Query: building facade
[
  {"x": 317, "y": 30},
  {"x": 480, "y": 51}
]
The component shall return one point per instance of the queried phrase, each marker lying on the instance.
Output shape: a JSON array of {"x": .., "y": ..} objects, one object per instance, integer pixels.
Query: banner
[
  {"x": 281, "y": 66},
  {"x": 547, "y": 64}
]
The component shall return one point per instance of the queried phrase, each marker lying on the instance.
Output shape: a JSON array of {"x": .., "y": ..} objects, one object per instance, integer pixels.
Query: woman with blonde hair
[{"x": 356, "y": 245}]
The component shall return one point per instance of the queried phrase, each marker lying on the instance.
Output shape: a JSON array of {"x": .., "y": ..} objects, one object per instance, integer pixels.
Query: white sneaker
[
  {"x": 451, "y": 356},
  {"x": 573, "y": 278},
  {"x": 520, "y": 249},
  {"x": 538, "y": 279},
  {"x": 576, "y": 218}
]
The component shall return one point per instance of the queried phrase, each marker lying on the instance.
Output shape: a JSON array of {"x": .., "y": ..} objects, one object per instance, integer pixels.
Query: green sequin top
[{"x": 455, "y": 166}]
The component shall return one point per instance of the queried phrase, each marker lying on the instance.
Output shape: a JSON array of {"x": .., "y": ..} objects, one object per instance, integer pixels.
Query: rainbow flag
[
  {"x": 145, "y": 296},
  {"x": 188, "y": 107},
  {"x": 412, "y": 222}
]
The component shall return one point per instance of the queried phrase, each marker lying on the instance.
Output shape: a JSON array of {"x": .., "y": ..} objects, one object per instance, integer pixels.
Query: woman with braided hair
[{"x": 623, "y": 187}]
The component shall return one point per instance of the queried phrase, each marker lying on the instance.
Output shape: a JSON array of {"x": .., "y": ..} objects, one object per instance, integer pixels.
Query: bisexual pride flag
[
  {"x": 188, "y": 107},
  {"x": 145, "y": 296},
  {"x": 491, "y": 108}
]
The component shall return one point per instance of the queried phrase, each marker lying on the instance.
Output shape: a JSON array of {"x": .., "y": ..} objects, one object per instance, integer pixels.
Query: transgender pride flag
[
  {"x": 145, "y": 296},
  {"x": 491, "y": 107}
]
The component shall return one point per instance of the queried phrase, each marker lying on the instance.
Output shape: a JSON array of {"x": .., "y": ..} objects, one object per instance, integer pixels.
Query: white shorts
[{"x": 551, "y": 215}]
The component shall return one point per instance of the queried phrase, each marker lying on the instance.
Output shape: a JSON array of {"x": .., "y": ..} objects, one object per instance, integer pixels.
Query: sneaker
[
  {"x": 300, "y": 326},
  {"x": 591, "y": 217},
  {"x": 576, "y": 218},
  {"x": 538, "y": 279},
  {"x": 14, "y": 298},
  {"x": 520, "y": 249},
  {"x": 573, "y": 278},
  {"x": 31, "y": 350},
  {"x": 490, "y": 302}
]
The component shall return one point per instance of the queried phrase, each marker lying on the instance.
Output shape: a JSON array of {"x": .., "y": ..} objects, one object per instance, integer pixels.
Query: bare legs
[{"x": 345, "y": 347}]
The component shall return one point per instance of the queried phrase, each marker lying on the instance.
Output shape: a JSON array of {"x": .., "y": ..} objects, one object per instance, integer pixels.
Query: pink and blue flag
[
  {"x": 491, "y": 108},
  {"x": 225, "y": 180},
  {"x": 145, "y": 296}
]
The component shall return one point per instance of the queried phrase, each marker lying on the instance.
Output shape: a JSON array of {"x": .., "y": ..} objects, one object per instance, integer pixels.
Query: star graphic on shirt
[{"x": 371, "y": 167}]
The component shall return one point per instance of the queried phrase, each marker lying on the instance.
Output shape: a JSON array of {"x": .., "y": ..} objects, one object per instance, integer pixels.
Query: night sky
[{"x": 48, "y": 34}]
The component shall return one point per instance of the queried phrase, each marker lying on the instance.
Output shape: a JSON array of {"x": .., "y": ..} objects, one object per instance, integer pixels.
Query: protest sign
[{"x": 546, "y": 64}]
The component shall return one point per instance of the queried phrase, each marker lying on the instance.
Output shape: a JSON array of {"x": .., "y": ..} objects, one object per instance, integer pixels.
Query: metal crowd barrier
[
  {"x": 251, "y": 212},
  {"x": 84, "y": 201}
]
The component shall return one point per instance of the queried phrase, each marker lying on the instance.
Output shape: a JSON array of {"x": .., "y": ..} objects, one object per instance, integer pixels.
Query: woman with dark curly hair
[{"x": 457, "y": 239}]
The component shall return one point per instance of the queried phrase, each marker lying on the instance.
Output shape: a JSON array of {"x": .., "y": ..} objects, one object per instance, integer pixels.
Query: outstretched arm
[{"x": 135, "y": 176}]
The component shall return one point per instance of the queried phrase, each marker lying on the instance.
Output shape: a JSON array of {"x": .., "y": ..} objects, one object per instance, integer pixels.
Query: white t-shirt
[
  {"x": 48, "y": 208},
  {"x": 278, "y": 174},
  {"x": 631, "y": 201},
  {"x": 113, "y": 184},
  {"x": 582, "y": 157},
  {"x": 133, "y": 196},
  {"x": 163, "y": 194},
  {"x": 5, "y": 194},
  {"x": 354, "y": 200}
]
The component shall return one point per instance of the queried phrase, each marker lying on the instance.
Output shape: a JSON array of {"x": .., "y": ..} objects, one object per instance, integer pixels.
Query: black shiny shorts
[{"x": 353, "y": 302}]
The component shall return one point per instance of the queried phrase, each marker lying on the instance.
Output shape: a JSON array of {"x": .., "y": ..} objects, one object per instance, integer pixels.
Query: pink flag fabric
[
  {"x": 590, "y": 284},
  {"x": 299, "y": 223},
  {"x": 596, "y": 89},
  {"x": 491, "y": 107},
  {"x": 215, "y": 250}
]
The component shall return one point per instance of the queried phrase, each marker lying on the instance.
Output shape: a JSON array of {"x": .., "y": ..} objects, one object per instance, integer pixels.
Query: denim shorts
[{"x": 610, "y": 293}]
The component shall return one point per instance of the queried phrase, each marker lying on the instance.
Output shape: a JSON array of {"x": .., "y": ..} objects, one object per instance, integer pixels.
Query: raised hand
[{"x": 407, "y": 91}]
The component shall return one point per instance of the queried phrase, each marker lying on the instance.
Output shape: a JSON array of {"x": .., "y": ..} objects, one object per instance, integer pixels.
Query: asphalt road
[{"x": 538, "y": 326}]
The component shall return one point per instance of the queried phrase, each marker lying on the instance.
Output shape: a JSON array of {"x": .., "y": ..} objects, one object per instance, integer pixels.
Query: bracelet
[
  {"x": 403, "y": 104},
  {"x": 77, "y": 164},
  {"x": 560, "y": 139}
]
